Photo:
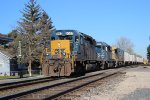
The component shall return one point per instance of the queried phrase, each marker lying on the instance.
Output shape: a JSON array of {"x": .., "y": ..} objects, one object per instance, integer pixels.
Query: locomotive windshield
[{"x": 66, "y": 37}]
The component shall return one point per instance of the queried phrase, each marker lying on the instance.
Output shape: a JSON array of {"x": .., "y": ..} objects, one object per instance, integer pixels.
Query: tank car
[{"x": 70, "y": 53}]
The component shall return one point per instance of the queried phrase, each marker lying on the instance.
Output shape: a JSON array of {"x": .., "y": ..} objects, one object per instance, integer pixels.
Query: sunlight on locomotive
[{"x": 60, "y": 50}]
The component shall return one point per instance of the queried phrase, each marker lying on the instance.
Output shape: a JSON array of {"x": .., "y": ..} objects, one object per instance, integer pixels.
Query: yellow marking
[
  {"x": 114, "y": 56},
  {"x": 145, "y": 61},
  {"x": 60, "y": 44}
]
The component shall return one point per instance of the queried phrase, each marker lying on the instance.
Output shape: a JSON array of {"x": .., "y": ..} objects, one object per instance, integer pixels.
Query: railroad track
[
  {"x": 60, "y": 90},
  {"x": 11, "y": 84},
  {"x": 15, "y": 87}
]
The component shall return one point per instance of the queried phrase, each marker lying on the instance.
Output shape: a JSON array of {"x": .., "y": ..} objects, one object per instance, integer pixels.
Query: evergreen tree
[
  {"x": 35, "y": 28},
  {"x": 14, "y": 45},
  {"x": 46, "y": 28},
  {"x": 13, "y": 34},
  {"x": 29, "y": 27}
]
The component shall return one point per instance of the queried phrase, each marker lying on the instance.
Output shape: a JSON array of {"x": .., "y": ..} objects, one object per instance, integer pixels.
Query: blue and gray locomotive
[{"x": 70, "y": 52}]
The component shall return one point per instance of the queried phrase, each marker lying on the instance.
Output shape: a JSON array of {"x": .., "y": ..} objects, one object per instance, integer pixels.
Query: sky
[{"x": 104, "y": 20}]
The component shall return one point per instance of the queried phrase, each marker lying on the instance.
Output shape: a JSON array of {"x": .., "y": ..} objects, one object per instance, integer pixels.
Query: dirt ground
[{"x": 133, "y": 85}]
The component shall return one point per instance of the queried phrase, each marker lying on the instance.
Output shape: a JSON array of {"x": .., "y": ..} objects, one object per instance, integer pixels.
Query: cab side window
[
  {"x": 106, "y": 48},
  {"x": 76, "y": 39},
  {"x": 81, "y": 40},
  {"x": 109, "y": 48},
  {"x": 52, "y": 38}
]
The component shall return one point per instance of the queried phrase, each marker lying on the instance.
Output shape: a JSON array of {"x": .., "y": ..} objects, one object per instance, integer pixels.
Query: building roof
[
  {"x": 6, "y": 54},
  {"x": 5, "y": 40}
]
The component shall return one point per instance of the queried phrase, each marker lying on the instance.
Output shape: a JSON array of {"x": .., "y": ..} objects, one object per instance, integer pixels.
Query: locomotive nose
[
  {"x": 60, "y": 48},
  {"x": 60, "y": 51}
]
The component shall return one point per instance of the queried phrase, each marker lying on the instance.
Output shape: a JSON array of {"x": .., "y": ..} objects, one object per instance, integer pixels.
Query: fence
[{"x": 22, "y": 73}]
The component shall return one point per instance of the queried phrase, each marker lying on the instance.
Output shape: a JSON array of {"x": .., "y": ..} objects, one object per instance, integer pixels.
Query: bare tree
[{"x": 125, "y": 44}]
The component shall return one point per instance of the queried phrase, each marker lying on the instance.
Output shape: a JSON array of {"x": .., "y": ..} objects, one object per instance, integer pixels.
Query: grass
[
  {"x": 8, "y": 77},
  {"x": 15, "y": 77},
  {"x": 25, "y": 75}
]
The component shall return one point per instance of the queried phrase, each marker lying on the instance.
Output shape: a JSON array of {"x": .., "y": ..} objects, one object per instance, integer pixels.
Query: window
[
  {"x": 52, "y": 38},
  {"x": 65, "y": 37},
  {"x": 103, "y": 47},
  {"x": 109, "y": 48},
  {"x": 81, "y": 40},
  {"x": 116, "y": 50},
  {"x": 106, "y": 48},
  {"x": 76, "y": 39}
]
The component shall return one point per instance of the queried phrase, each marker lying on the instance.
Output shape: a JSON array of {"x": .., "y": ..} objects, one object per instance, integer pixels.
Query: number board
[
  {"x": 58, "y": 33},
  {"x": 69, "y": 33}
]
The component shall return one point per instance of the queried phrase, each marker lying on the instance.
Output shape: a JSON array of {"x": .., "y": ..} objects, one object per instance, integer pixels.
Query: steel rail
[{"x": 24, "y": 94}]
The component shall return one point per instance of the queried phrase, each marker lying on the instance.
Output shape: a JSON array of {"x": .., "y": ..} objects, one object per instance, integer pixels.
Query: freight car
[{"x": 73, "y": 52}]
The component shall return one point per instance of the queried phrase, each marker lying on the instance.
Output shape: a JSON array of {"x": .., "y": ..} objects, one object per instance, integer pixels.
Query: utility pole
[
  {"x": 19, "y": 49},
  {"x": 19, "y": 60}
]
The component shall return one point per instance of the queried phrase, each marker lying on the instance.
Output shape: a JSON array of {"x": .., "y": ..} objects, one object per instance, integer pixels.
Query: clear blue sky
[{"x": 104, "y": 20}]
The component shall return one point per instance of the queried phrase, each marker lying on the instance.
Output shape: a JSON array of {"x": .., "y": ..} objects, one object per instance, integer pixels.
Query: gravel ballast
[{"x": 132, "y": 84}]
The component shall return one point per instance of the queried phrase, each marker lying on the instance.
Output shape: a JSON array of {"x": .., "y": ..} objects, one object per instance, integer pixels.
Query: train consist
[{"x": 72, "y": 52}]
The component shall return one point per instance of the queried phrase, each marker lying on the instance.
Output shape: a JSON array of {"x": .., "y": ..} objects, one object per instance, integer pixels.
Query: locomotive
[{"x": 73, "y": 52}]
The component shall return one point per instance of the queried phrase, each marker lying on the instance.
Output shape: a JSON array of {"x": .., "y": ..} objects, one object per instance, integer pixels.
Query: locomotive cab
[{"x": 66, "y": 42}]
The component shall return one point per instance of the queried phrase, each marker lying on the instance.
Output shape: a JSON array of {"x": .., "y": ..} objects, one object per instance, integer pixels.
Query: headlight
[{"x": 64, "y": 53}]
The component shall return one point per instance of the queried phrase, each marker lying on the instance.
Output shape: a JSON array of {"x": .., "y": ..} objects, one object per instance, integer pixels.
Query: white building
[{"x": 5, "y": 63}]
